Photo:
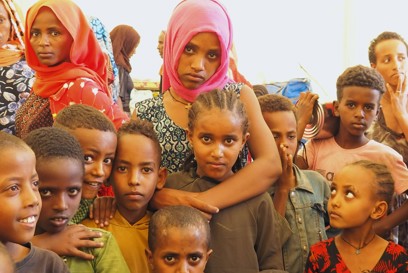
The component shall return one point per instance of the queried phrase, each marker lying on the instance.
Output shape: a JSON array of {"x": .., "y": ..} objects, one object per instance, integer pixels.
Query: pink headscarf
[{"x": 189, "y": 18}]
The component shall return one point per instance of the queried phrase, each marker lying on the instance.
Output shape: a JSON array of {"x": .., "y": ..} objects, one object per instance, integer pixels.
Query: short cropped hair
[
  {"x": 361, "y": 76},
  {"x": 259, "y": 89},
  {"x": 83, "y": 116},
  {"x": 181, "y": 217},
  {"x": 11, "y": 141},
  {"x": 141, "y": 127},
  {"x": 275, "y": 103},
  {"x": 51, "y": 142},
  {"x": 384, "y": 36}
]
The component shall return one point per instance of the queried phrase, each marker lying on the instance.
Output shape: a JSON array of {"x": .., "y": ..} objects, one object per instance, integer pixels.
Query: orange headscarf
[
  {"x": 13, "y": 50},
  {"x": 87, "y": 58}
]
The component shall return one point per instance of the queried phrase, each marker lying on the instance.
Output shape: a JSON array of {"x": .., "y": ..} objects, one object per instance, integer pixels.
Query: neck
[
  {"x": 347, "y": 141},
  {"x": 176, "y": 98},
  {"x": 132, "y": 216},
  {"x": 16, "y": 251},
  {"x": 357, "y": 238}
]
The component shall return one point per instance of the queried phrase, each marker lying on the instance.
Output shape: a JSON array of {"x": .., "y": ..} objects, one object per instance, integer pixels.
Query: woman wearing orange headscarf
[
  {"x": 16, "y": 77},
  {"x": 69, "y": 64}
]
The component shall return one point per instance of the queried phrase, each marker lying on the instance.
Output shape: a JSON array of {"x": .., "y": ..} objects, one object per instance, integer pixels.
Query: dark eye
[
  {"x": 229, "y": 141},
  {"x": 195, "y": 259},
  {"x": 188, "y": 49},
  {"x": 206, "y": 139},
  {"x": 169, "y": 259},
  {"x": 147, "y": 170},
  {"x": 213, "y": 55},
  {"x": 88, "y": 159},
  {"x": 45, "y": 192},
  {"x": 122, "y": 169},
  {"x": 55, "y": 33},
  {"x": 74, "y": 191},
  {"x": 107, "y": 161}
]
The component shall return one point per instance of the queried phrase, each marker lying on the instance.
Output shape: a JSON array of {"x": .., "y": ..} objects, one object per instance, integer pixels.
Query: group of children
[
  {"x": 251, "y": 236},
  {"x": 330, "y": 218}
]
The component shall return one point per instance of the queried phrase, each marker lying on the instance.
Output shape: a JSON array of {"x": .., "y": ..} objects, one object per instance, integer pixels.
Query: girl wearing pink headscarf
[{"x": 197, "y": 42}]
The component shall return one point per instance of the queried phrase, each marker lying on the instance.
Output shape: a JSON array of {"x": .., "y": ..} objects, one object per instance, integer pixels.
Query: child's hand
[
  {"x": 304, "y": 110},
  {"x": 287, "y": 180},
  {"x": 171, "y": 197},
  {"x": 103, "y": 209},
  {"x": 69, "y": 241},
  {"x": 399, "y": 95}
]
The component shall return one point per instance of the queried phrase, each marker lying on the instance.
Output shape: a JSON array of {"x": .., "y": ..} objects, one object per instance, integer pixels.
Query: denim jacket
[{"x": 306, "y": 211}]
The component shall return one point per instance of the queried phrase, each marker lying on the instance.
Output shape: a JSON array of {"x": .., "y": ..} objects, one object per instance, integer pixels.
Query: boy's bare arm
[
  {"x": 304, "y": 111},
  {"x": 69, "y": 241}
]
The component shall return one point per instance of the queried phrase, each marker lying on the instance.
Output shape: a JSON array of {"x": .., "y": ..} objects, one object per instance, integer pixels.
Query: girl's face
[
  {"x": 5, "y": 26},
  {"x": 49, "y": 39},
  {"x": 217, "y": 139},
  {"x": 391, "y": 60},
  {"x": 352, "y": 202},
  {"x": 200, "y": 60}
]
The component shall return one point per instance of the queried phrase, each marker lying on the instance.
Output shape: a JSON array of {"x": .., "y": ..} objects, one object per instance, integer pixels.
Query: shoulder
[
  {"x": 322, "y": 246},
  {"x": 375, "y": 145},
  {"x": 178, "y": 180},
  {"x": 149, "y": 105},
  {"x": 311, "y": 177},
  {"x": 49, "y": 259}
]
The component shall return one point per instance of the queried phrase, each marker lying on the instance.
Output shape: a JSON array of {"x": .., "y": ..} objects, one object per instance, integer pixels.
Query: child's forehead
[{"x": 365, "y": 93}]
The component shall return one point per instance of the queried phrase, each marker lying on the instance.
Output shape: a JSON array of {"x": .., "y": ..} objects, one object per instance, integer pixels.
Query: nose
[
  {"x": 183, "y": 268},
  {"x": 61, "y": 203},
  {"x": 134, "y": 178},
  {"x": 334, "y": 201},
  {"x": 217, "y": 151},
  {"x": 97, "y": 169},
  {"x": 44, "y": 40},
  {"x": 359, "y": 113},
  {"x": 31, "y": 197},
  {"x": 197, "y": 63}
]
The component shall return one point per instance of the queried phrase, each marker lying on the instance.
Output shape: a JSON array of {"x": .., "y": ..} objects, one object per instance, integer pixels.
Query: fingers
[
  {"x": 103, "y": 209},
  {"x": 308, "y": 97},
  {"x": 82, "y": 255},
  {"x": 202, "y": 206}
]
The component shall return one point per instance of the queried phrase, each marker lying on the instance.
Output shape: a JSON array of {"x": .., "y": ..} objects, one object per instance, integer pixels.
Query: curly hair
[
  {"x": 386, "y": 35},
  {"x": 140, "y": 127},
  {"x": 52, "y": 142},
  {"x": 275, "y": 103},
  {"x": 361, "y": 76},
  {"x": 83, "y": 116}
]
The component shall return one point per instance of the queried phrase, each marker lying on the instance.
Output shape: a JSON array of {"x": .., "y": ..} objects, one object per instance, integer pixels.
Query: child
[
  {"x": 135, "y": 177},
  {"x": 21, "y": 205},
  {"x": 247, "y": 237},
  {"x": 299, "y": 195},
  {"x": 388, "y": 54},
  {"x": 97, "y": 137},
  {"x": 360, "y": 194},
  {"x": 359, "y": 91},
  {"x": 179, "y": 240},
  {"x": 60, "y": 190}
]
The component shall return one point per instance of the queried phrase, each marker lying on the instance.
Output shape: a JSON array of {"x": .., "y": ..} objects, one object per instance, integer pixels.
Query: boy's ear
[
  {"x": 161, "y": 179},
  {"x": 379, "y": 210},
  {"x": 336, "y": 108},
  {"x": 209, "y": 252},
  {"x": 149, "y": 256},
  {"x": 373, "y": 65}
]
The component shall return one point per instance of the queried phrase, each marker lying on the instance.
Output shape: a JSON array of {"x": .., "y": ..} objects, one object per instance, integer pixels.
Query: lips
[
  {"x": 334, "y": 215},
  {"x": 194, "y": 77},
  {"x": 59, "y": 221},
  {"x": 134, "y": 195}
]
